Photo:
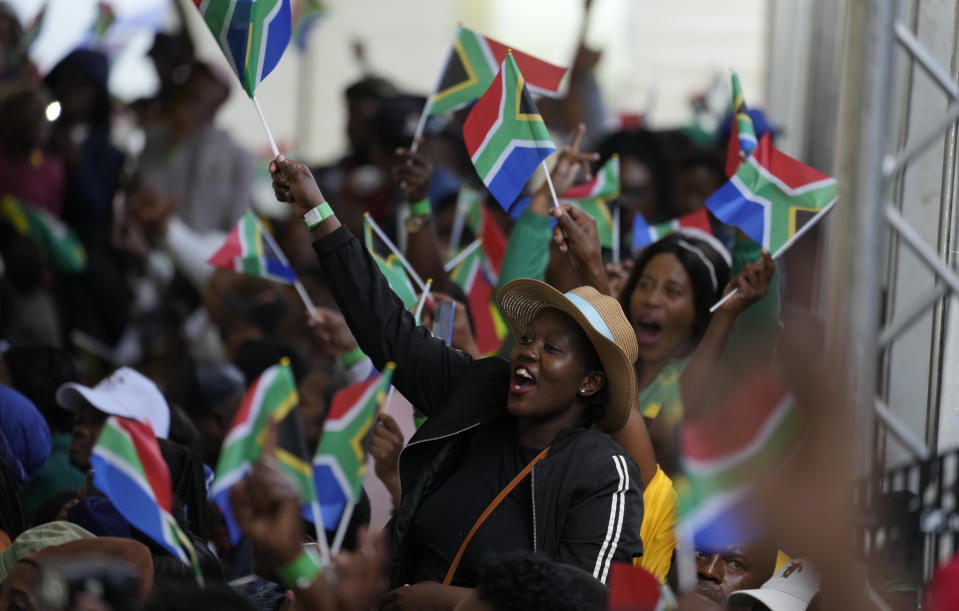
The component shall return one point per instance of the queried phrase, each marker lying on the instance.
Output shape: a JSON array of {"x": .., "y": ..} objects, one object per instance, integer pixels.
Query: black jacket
[{"x": 586, "y": 495}]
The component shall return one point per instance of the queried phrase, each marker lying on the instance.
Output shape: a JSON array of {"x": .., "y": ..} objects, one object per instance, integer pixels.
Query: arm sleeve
[
  {"x": 527, "y": 251},
  {"x": 759, "y": 324},
  {"x": 603, "y": 526},
  {"x": 426, "y": 369}
]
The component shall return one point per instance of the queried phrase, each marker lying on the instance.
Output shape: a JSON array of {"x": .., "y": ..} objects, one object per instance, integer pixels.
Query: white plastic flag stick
[
  {"x": 320, "y": 532},
  {"x": 341, "y": 528},
  {"x": 421, "y": 123},
  {"x": 300, "y": 289},
  {"x": 452, "y": 263},
  {"x": 396, "y": 251},
  {"x": 269, "y": 134},
  {"x": 549, "y": 181}
]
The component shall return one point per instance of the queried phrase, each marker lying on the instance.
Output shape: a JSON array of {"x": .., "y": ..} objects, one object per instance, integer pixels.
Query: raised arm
[
  {"x": 413, "y": 173},
  {"x": 697, "y": 382},
  {"x": 426, "y": 369}
]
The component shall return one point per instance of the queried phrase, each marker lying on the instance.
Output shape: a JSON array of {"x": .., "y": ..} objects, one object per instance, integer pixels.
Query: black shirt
[{"x": 447, "y": 515}]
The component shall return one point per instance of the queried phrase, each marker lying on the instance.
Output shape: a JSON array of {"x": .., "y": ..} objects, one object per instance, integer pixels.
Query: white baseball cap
[
  {"x": 791, "y": 588},
  {"x": 125, "y": 392}
]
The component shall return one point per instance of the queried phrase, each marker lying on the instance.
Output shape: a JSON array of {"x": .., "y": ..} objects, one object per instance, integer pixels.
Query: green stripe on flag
[
  {"x": 597, "y": 208},
  {"x": 118, "y": 443},
  {"x": 704, "y": 486},
  {"x": 783, "y": 202},
  {"x": 515, "y": 124},
  {"x": 215, "y": 15},
  {"x": 468, "y": 62}
]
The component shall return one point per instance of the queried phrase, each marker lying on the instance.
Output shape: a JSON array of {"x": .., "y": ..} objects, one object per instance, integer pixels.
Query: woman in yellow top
[{"x": 667, "y": 298}]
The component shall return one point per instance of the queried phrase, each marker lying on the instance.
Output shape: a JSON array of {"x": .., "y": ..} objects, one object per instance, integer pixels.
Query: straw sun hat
[{"x": 605, "y": 324}]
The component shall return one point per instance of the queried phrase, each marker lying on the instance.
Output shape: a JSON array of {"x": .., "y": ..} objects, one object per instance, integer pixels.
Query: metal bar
[
  {"x": 915, "y": 243},
  {"x": 900, "y": 431},
  {"x": 852, "y": 289},
  {"x": 892, "y": 330},
  {"x": 928, "y": 63},
  {"x": 891, "y": 165}
]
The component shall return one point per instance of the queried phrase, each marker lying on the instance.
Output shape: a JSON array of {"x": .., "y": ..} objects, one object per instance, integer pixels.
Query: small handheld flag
[
  {"x": 773, "y": 198},
  {"x": 393, "y": 266},
  {"x": 605, "y": 183},
  {"x": 308, "y": 13},
  {"x": 644, "y": 234},
  {"x": 253, "y": 34},
  {"x": 55, "y": 238},
  {"x": 472, "y": 65},
  {"x": 505, "y": 135},
  {"x": 249, "y": 250},
  {"x": 272, "y": 398},
  {"x": 129, "y": 469},
  {"x": 742, "y": 134},
  {"x": 340, "y": 460},
  {"x": 475, "y": 275}
]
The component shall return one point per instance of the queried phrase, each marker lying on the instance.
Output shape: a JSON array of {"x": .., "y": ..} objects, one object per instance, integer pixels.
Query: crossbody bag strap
[{"x": 489, "y": 509}]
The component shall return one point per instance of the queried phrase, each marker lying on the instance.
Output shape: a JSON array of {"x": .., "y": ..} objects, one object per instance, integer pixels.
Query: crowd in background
[{"x": 134, "y": 322}]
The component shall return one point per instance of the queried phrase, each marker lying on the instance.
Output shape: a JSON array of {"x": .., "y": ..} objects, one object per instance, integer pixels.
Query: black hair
[
  {"x": 48, "y": 510},
  {"x": 255, "y": 356},
  {"x": 189, "y": 486},
  {"x": 702, "y": 157},
  {"x": 87, "y": 67},
  {"x": 705, "y": 293},
  {"x": 37, "y": 371},
  {"x": 13, "y": 516},
  {"x": 169, "y": 570},
  {"x": 648, "y": 148},
  {"x": 375, "y": 87},
  {"x": 523, "y": 581}
]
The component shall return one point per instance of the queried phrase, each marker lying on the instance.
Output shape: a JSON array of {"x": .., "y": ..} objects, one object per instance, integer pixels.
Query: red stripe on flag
[
  {"x": 538, "y": 73},
  {"x": 345, "y": 399},
  {"x": 246, "y": 406},
  {"x": 732, "y": 150},
  {"x": 230, "y": 250},
  {"x": 739, "y": 418},
  {"x": 484, "y": 114},
  {"x": 792, "y": 172},
  {"x": 697, "y": 220},
  {"x": 494, "y": 240},
  {"x": 147, "y": 449}
]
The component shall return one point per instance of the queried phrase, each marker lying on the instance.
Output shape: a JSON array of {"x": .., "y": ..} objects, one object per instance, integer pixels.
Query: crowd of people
[{"x": 536, "y": 472}]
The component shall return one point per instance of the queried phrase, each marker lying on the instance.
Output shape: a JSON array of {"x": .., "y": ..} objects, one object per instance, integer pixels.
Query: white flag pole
[
  {"x": 615, "y": 244},
  {"x": 300, "y": 289},
  {"x": 269, "y": 134},
  {"x": 396, "y": 251},
  {"x": 320, "y": 532},
  {"x": 452, "y": 263},
  {"x": 549, "y": 181}
]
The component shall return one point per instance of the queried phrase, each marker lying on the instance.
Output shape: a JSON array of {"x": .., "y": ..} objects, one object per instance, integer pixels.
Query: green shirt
[{"x": 56, "y": 475}]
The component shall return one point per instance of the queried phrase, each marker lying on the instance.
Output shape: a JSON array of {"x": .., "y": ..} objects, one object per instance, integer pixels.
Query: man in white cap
[
  {"x": 126, "y": 393},
  {"x": 791, "y": 588}
]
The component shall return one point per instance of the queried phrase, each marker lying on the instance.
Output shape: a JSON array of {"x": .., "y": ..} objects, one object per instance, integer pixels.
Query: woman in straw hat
[{"x": 509, "y": 451}]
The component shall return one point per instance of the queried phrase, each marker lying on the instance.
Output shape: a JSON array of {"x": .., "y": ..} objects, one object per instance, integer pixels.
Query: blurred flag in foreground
[
  {"x": 272, "y": 398},
  {"x": 340, "y": 460},
  {"x": 472, "y": 65},
  {"x": 773, "y": 198},
  {"x": 250, "y": 250},
  {"x": 632, "y": 588},
  {"x": 644, "y": 234},
  {"x": 129, "y": 469},
  {"x": 505, "y": 135},
  {"x": 727, "y": 452},
  {"x": 253, "y": 34}
]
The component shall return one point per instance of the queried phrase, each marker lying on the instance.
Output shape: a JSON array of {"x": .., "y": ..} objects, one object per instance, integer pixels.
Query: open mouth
[
  {"x": 648, "y": 331},
  {"x": 522, "y": 381}
]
